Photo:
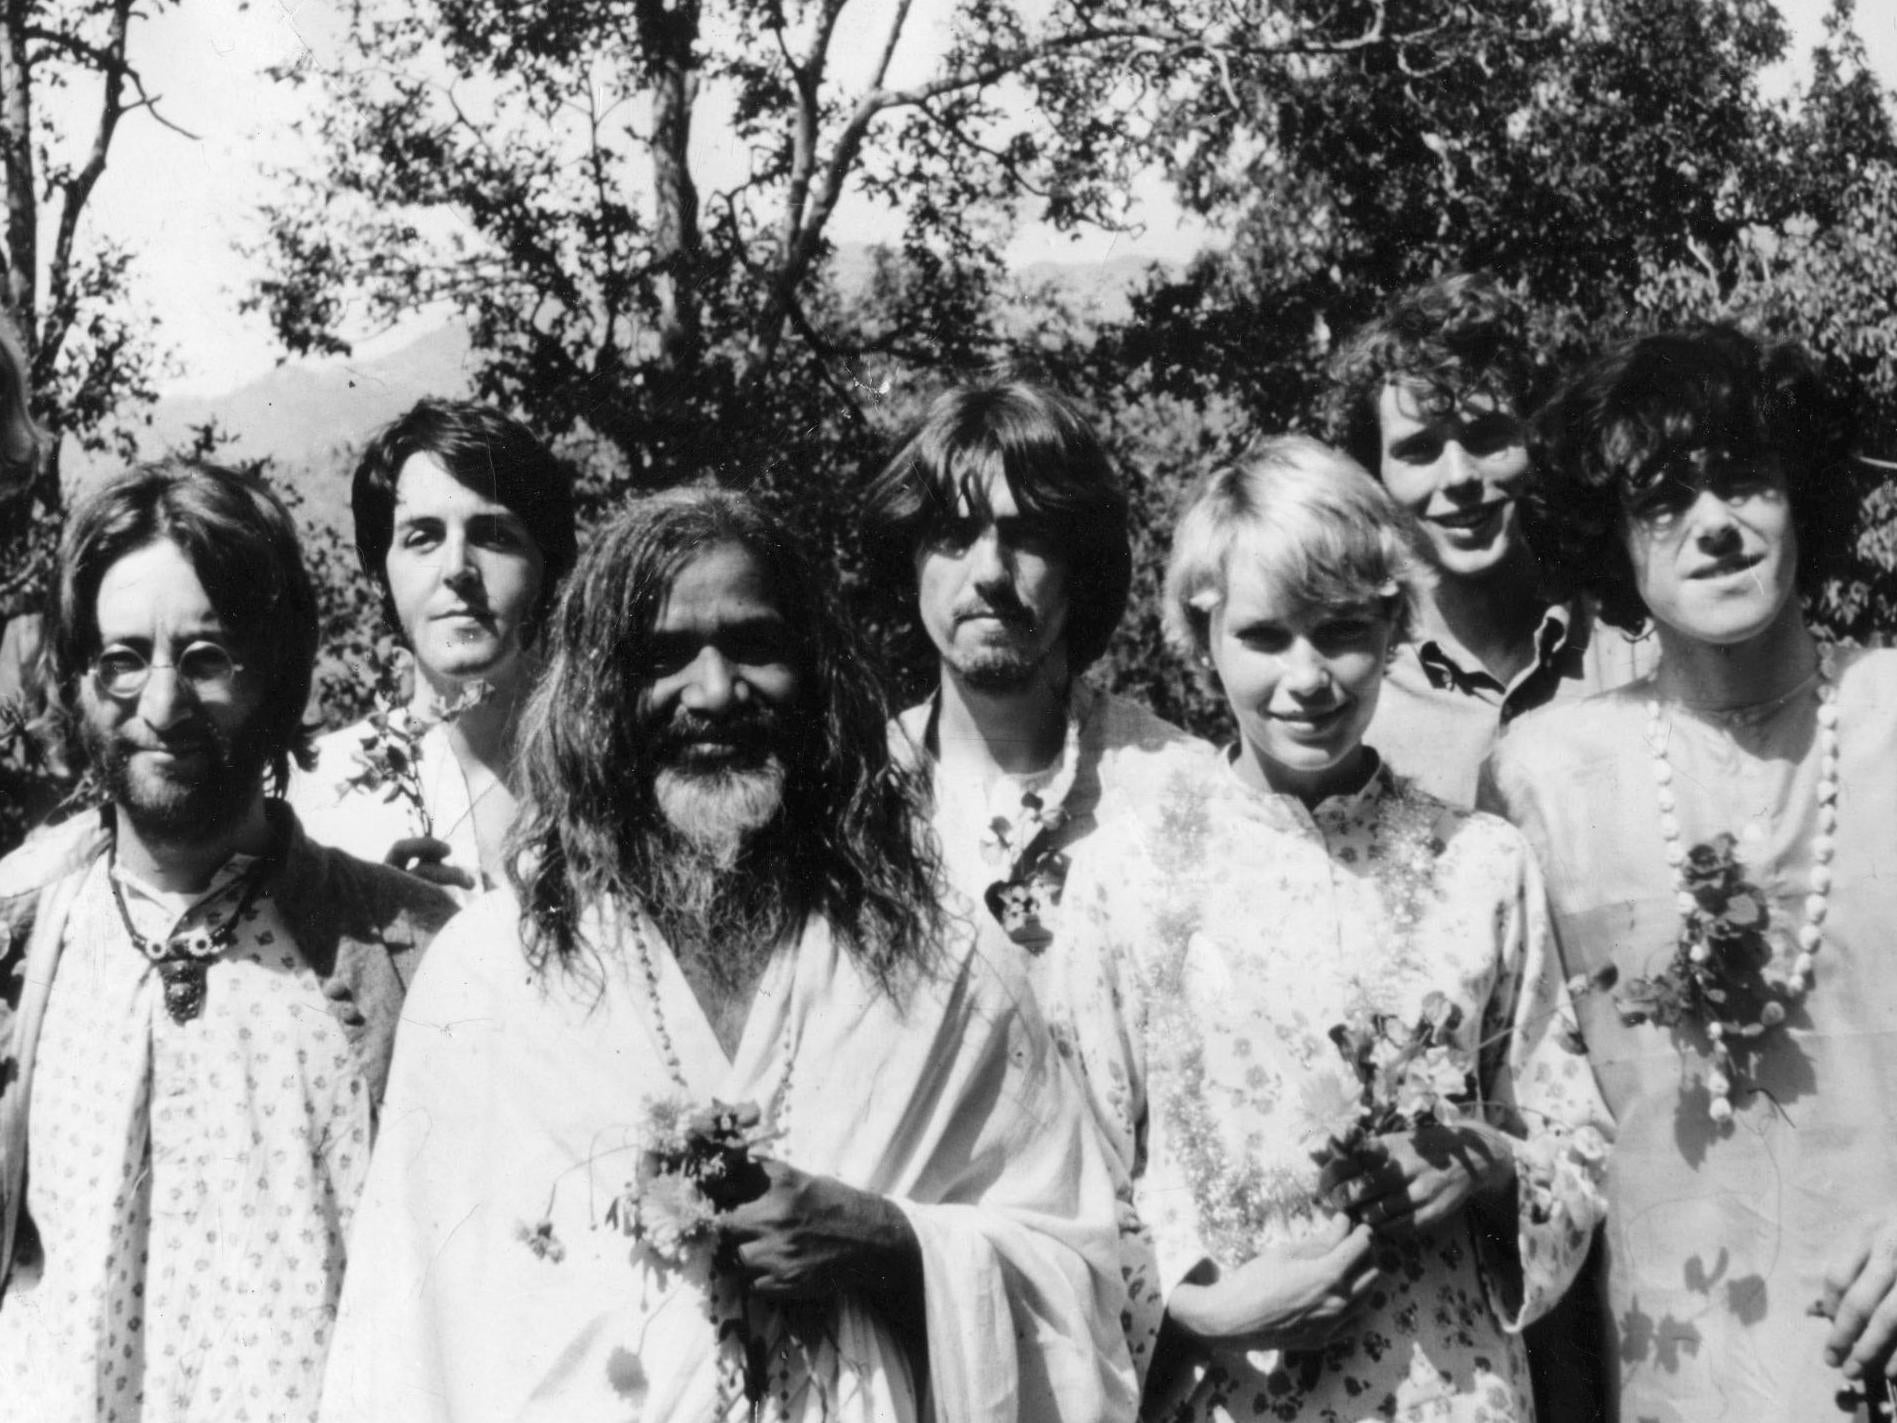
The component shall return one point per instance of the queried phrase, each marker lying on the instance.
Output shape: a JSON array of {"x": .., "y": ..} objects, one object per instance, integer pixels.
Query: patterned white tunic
[
  {"x": 1225, "y": 935},
  {"x": 191, "y": 1182}
]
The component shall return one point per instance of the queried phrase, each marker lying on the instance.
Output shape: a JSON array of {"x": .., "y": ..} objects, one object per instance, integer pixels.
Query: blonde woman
[{"x": 1298, "y": 894}]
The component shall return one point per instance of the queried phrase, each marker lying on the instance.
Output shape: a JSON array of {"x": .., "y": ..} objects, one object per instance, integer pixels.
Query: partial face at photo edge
[
  {"x": 177, "y": 763},
  {"x": 1459, "y": 469},
  {"x": 992, "y": 592}
]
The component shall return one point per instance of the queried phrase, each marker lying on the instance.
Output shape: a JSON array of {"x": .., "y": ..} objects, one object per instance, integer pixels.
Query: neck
[
  {"x": 482, "y": 733},
  {"x": 1261, "y": 773},
  {"x": 1015, "y": 732},
  {"x": 1493, "y": 620},
  {"x": 1716, "y": 677},
  {"x": 185, "y": 865}
]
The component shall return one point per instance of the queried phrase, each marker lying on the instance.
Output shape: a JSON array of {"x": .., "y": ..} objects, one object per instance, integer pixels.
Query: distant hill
[{"x": 310, "y": 416}]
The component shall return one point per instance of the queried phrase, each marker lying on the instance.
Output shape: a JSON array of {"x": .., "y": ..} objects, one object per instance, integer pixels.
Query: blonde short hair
[{"x": 1320, "y": 527}]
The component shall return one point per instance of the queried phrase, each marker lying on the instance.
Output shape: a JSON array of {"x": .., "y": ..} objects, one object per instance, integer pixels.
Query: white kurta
[
  {"x": 191, "y": 1182},
  {"x": 1116, "y": 759},
  {"x": 516, "y": 1099},
  {"x": 367, "y": 822},
  {"x": 1212, "y": 946},
  {"x": 1717, "y": 1239}
]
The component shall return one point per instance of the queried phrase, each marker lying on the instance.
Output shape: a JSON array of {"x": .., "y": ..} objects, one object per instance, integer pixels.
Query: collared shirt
[{"x": 1438, "y": 719}]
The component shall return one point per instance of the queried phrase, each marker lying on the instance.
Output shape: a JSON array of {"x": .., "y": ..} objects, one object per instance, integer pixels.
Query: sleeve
[
  {"x": 1539, "y": 1087},
  {"x": 1017, "y": 1231},
  {"x": 1092, "y": 995}
]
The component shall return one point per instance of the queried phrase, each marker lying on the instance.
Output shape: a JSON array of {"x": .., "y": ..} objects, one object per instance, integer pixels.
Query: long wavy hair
[{"x": 586, "y": 833}]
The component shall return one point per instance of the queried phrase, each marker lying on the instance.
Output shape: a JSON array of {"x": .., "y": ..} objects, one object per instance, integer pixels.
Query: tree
[
  {"x": 67, "y": 80},
  {"x": 538, "y": 173},
  {"x": 1576, "y": 152}
]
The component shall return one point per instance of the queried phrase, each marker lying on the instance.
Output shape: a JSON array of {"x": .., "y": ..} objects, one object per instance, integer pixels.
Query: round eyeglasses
[{"x": 210, "y": 669}]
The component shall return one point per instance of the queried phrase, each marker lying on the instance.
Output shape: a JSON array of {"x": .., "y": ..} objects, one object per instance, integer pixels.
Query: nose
[
  {"x": 1460, "y": 468},
  {"x": 166, "y": 699},
  {"x": 714, "y": 683},
  {"x": 988, "y": 559},
  {"x": 1306, "y": 670},
  {"x": 456, "y": 566},
  {"x": 1711, "y": 520}
]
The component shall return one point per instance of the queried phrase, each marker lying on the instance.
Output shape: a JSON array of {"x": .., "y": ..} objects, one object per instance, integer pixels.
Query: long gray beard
[{"x": 724, "y": 890}]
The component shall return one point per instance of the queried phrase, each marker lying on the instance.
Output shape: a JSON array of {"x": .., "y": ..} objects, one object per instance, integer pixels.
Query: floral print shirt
[
  {"x": 192, "y": 1182},
  {"x": 1228, "y": 932}
]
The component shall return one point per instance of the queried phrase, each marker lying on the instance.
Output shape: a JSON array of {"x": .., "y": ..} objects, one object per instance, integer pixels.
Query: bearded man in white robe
[{"x": 715, "y": 1114}]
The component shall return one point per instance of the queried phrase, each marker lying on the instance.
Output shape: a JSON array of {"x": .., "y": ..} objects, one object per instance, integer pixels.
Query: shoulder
[
  {"x": 1559, "y": 740},
  {"x": 477, "y": 955},
  {"x": 1137, "y": 751},
  {"x": 365, "y": 900},
  {"x": 51, "y": 853},
  {"x": 1866, "y": 676}
]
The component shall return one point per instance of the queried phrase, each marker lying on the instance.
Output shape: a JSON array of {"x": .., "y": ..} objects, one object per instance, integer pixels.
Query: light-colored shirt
[
  {"x": 1437, "y": 720},
  {"x": 192, "y": 1182},
  {"x": 1227, "y": 933},
  {"x": 1116, "y": 759},
  {"x": 1717, "y": 1239},
  {"x": 517, "y": 1112}
]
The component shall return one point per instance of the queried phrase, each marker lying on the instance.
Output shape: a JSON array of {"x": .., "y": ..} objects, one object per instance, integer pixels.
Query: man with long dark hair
[
  {"x": 715, "y": 1105},
  {"x": 200, "y": 1001},
  {"x": 1004, "y": 513}
]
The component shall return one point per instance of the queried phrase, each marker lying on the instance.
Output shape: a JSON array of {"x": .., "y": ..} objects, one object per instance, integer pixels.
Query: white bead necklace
[
  {"x": 777, "y": 1120},
  {"x": 1811, "y": 934}
]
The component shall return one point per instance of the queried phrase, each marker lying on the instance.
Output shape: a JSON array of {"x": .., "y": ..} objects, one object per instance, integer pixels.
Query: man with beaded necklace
[
  {"x": 1003, "y": 512},
  {"x": 1720, "y": 871},
  {"x": 714, "y": 1108},
  {"x": 199, "y": 1002}
]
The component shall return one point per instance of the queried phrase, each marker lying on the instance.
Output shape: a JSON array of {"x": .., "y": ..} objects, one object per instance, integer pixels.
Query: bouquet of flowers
[
  {"x": 1391, "y": 1077},
  {"x": 1716, "y": 977}
]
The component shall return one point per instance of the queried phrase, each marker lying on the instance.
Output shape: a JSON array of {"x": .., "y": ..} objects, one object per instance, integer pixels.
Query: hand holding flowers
[{"x": 1388, "y": 1126}]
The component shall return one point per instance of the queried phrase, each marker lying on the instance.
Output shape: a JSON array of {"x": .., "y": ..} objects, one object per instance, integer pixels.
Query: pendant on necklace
[{"x": 184, "y": 987}]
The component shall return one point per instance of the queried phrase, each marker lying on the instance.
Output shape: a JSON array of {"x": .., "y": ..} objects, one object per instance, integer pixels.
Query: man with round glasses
[{"x": 199, "y": 1001}]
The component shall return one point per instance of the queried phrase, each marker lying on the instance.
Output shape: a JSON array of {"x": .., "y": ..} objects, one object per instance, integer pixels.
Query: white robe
[{"x": 515, "y": 1098}]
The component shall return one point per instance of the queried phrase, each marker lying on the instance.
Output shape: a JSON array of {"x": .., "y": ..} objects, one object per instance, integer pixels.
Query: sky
[{"x": 185, "y": 205}]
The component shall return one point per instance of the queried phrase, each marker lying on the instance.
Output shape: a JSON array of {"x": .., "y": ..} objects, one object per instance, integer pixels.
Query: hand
[
  {"x": 1408, "y": 1182},
  {"x": 1297, "y": 1296},
  {"x": 1861, "y": 1303},
  {"x": 812, "y": 1237},
  {"x": 427, "y": 859}
]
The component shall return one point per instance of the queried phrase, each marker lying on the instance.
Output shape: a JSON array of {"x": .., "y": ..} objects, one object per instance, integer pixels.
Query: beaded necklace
[
  {"x": 1811, "y": 934},
  {"x": 728, "y": 1301},
  {"x": 184, "y": 956}
]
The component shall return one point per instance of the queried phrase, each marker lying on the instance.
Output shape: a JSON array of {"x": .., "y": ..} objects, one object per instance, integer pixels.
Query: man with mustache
[
  {"x": 1433, "y": 397},
  {"x": 1004, "y": 513},
  {"x": 715, "y": 1111},
  {"x": 198, "y": 1001}
]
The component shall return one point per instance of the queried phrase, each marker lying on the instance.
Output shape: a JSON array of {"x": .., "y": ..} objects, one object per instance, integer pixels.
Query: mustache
[
  {"x": 1003, "y": 603},
  {"x": 749, "y": 726}
]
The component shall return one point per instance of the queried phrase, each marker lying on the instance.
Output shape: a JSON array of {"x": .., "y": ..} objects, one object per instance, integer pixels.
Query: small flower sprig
[
  {"x": 1716, "y": 979},
  {"x": 389, "y": 757},
  {"x": 1392, "y": 1077},
  {"x": 1033, "y": 872}
]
